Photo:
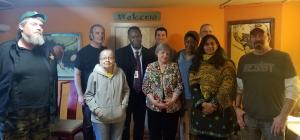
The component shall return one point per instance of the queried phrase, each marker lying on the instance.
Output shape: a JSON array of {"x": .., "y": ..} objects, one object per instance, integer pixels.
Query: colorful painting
[{"x": 66, "y": 45}]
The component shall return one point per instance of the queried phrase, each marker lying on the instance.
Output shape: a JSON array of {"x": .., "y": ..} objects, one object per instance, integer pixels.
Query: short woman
[
  {"x": 162, "y": 86},
  {"x": 107, "y": 97}
]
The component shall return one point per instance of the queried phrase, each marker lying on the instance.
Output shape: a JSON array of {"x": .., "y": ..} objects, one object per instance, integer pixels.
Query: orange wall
[
  {"x": 290, "y": 32},
  {"x": 287, "y": 24},
  {"x": 177, "y": 20}
]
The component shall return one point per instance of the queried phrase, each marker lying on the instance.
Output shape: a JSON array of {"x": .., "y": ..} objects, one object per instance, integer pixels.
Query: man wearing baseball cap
[
  {"x": 27, "y": 82},
  {"x": 268, "y": 88}
]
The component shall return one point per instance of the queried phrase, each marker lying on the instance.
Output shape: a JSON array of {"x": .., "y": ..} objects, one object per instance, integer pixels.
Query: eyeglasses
[{"x": 105, "y": 58}]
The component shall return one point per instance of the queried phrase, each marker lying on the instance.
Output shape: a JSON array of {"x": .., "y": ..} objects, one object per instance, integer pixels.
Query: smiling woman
[
  {"x": 107, "y": 97},
  {"x": 107, "y": 60}
]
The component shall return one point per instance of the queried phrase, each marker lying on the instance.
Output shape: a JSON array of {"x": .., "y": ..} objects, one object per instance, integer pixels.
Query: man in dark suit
[{"x": 133, "y": 59}]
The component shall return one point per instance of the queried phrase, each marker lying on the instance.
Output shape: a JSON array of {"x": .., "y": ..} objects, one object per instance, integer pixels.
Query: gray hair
[
  {"x": 107, "y": 50},
  {"x": 19, "y": 31},
  {"x": 23, "y": 22},
  {"x": 162, "y": 46}
]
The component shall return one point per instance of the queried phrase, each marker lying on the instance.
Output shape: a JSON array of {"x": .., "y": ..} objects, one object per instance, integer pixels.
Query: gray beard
[{"x": 35, "y": 39}]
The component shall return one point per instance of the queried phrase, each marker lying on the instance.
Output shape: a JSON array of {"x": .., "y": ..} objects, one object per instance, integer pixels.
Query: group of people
[{"x": 198, "y": 89}]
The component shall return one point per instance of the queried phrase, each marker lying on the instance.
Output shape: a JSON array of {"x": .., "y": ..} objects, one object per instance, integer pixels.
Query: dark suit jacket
[{"x": 125, "y": 59}]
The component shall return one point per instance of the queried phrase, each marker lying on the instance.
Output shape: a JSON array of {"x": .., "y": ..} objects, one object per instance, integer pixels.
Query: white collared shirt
[{"x": 140, "y": 53}]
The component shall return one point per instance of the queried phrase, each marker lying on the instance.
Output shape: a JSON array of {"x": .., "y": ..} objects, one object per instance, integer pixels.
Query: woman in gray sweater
[{"x": 107, "y": 97}]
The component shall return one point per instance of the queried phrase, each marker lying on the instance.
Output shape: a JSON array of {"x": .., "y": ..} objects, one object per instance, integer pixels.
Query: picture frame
[
  {"x": 238, "y": 36},
  {"x": 66, "y": 45}
]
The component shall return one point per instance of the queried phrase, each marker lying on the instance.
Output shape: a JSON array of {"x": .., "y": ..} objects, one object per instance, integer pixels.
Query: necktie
[{"x": 137, "y": 82}]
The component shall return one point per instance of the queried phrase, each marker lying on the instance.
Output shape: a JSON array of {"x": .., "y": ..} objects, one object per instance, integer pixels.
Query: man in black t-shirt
[
  {"x": 85, "y": 62},
  {"x": 268, "y": 88}
]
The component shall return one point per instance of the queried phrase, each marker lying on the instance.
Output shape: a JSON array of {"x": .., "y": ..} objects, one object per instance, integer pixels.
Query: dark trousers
[
  {"x": 88, "y": 133},
  {"x": 162, "y": 126},
  {"x": 28, "y": 124},
  {"x": 136, "y": 108},
  {"x": 205, "y": 137}
]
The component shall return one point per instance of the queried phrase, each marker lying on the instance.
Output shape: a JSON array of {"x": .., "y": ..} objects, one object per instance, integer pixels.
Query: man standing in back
[
  {"x": 161, "y": 35},
  {"x": 85, "y": 62},
  {"x": 205, "y": 29},
  {"x": 133, "y": 59}
]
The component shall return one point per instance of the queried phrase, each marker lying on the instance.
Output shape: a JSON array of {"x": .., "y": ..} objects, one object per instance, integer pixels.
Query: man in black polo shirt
[{"x": 85, "y": 62}]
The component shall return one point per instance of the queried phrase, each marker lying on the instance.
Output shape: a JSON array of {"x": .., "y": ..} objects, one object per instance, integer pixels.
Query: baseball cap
[
  {"x": 31, "y": 14},
  {"x": 260, "y": 28}
]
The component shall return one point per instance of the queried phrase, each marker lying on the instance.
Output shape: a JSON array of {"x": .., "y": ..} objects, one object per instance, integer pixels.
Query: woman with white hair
[
  {"x": 107, "y": 97},
  {"x": 163, "y": 87}
]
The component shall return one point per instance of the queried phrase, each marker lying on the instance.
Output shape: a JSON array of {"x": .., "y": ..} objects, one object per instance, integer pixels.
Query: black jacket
[
  {"x": 125, "y": 60},
  {"x": 9, "y": 53}
]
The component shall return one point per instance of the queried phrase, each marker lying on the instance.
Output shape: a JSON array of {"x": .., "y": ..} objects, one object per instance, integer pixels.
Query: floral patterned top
[{"x": 162, "y": 85}]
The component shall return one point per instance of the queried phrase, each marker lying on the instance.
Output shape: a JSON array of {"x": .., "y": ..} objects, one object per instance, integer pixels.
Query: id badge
[{"x": 136, "y": 74}]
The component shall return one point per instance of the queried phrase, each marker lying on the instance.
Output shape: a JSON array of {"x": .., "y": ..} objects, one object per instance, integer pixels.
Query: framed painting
[
  {"x": 238, "y": 36},
  {"x": 66, "y": 45}
]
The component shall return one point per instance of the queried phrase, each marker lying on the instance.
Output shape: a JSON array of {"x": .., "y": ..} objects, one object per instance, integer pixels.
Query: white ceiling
[{"x": 8, "y": 4}]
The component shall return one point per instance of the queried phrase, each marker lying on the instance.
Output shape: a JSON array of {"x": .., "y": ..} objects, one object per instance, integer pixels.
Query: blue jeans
[
  {"x": 110, "y": 131},
  {"x": 257, "y": 130}
]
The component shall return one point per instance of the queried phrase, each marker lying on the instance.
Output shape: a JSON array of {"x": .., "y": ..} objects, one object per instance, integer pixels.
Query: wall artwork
[
  {"x": 66, "y": 46},
  {"x": 238, "y": 36}
]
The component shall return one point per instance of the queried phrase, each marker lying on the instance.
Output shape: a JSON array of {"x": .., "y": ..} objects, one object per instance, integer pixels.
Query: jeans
[
  {"x": 110, "y": 131},
  {"x": 257, "y": 130}
]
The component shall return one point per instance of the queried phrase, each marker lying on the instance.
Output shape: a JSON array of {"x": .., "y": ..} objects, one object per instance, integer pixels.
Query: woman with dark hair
[{"x": 213, "y": 85}]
